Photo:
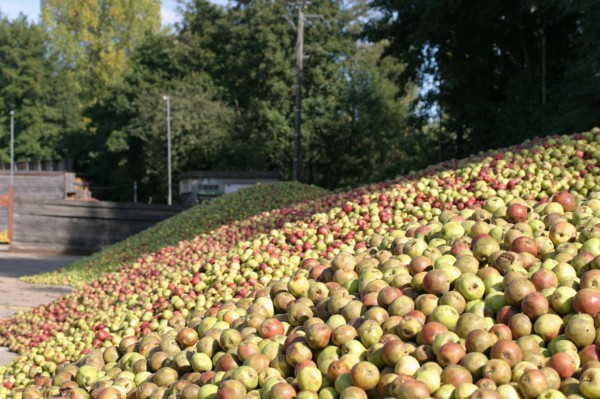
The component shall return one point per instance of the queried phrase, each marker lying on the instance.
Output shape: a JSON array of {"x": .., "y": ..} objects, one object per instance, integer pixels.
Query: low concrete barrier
[{"x": 78, "y": 226}]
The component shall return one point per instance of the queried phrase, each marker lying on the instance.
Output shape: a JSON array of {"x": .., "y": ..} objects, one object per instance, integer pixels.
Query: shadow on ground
[{"x": 17, "y": 265}]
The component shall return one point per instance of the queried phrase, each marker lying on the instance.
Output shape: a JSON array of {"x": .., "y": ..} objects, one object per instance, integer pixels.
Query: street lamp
[
  {"x": 11, "y": 187},
  {"x": 168, "y": 100},
  {"x": 12, "y": 147}
]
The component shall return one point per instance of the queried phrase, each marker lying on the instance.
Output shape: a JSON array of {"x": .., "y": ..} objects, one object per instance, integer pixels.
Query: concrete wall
[
  {"x": 80, "y": 227},
  {"x": 38, "y": 185}
]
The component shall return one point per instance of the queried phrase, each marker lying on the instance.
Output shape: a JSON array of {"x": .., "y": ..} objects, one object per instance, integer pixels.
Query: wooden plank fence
[{"x": 79, "y": 226}]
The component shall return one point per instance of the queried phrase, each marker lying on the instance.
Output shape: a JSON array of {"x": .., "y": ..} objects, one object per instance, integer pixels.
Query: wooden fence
[{"x": 77, "y": 226}]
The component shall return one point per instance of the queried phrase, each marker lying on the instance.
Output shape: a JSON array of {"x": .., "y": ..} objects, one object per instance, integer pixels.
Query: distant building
[{"x": 197, "y": 186}]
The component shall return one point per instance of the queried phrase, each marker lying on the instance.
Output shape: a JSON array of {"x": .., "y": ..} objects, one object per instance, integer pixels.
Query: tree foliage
[
  {"x": 94, "y": 38},
  {"x": 255, "y": 65},
  {"x": 497, "y": 71},
  {"x": 200, "y": 126},
  {"x": 29, "y": 87},
  {"x": 130, "y": 123},
  {"x": 230, "y": 74}
]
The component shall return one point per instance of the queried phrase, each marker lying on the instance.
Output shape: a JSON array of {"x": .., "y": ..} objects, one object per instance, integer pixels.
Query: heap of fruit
[
  {"x": 493, "y": 302},
  {"x": 198, "y": 220},
  {"x": 427, "y": 259}
]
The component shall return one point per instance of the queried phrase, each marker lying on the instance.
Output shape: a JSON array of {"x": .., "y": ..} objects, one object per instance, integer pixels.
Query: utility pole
[
  {"x": 300, "y": 4},
  {"x": 168, "y": 100}
]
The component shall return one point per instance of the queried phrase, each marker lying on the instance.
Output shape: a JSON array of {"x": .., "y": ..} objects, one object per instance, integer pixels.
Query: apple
[
  {"x": 562, "y": 300},
  {"x": 506, "y": 350},
  {"x": 497, "y": 370},
  {"x": 563, "y": 363},
  {"x": 566, "y": 200},
  {"x": 446, "y": 315},
  {"x": 470, "y": 286},
  {"x": 310, "y": 379},
  {"x": 231, "y": 389},
  {"x": 548, "y": 326},
  {"x": 364, "y": 375},
  {"x": 436, "y": 282},
  {"x": 247, "y": 376},
  {"x": 201, "y": 362},
  {"x": 516, "y": 213},
  {"x": 581, "y": 331},
  {"x": 589, "y": 383},
  {"x": 532, "y": 383},
  {"x": 562, "y": 232},
  {"x": 587, "y": 300},
  {"x": 483, "y": 246}
]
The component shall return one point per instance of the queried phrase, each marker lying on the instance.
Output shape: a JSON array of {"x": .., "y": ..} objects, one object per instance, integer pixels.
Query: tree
[
  {"x": 580, "y": 90},
  {"x": 199, "y": 35},
  {"x": 130, "y": 123},
  {"x": 369, "y": 138},
  {"x": 30, "y": 86},
  {"x": 249, "y": 51},
  {"x": 231, "y": 76},
  {"x": 255, "y": 68},
  {"x": 496, "y": 70},
  {"x": 200, "y": 129},
  {"x": 95, "y": 38},
  {"x": 94, "y": 42}
]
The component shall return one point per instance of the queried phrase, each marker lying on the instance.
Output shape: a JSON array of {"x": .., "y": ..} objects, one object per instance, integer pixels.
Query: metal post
[
  {"x": 298, "y": 116},
  {"x": 135, "y": 191},
  {"x": 12, "y": 147},
  {"x": 168, "y": 99},
  {"x": 11, "y": 188}
]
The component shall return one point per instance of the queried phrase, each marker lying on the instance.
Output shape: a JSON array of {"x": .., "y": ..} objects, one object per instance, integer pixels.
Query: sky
[{"x": 31, "y": 8}]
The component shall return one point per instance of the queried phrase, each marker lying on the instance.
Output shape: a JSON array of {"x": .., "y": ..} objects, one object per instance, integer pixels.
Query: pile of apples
[
  {"x": 200, "y": 219},
  {"x": 476, "y": 223},
  {"x": 498, "y": 301}
]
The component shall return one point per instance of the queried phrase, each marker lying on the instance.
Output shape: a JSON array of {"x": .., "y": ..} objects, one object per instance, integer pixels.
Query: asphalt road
[{"x": 18, "y": 296}]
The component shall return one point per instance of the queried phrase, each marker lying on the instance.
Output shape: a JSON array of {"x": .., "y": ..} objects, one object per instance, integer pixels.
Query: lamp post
[
  {"x": 12, "y": 147},
  {"x": 11, "y": 189},
  {"x": 168, "y": 100}
]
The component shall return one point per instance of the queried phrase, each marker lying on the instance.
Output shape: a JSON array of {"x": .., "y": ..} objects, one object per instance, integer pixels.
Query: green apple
[
  {"x": 446, "y": 315},
  {"x": 589, "y": 383},
  {"x": 201, "y": 362},
  {"x": 431, "y": 378},
  {"x": 470, "y": 286},
  {"x": 208, "y": 391}
]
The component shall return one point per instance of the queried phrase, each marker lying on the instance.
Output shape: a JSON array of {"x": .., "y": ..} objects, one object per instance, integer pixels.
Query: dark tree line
[{"x": 504, "y": 71}]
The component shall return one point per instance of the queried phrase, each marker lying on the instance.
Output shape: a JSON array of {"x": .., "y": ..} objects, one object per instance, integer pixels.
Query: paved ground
[{"x": 15, "y": 295}]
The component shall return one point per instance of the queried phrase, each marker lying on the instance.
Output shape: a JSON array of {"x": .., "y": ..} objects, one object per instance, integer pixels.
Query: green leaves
[
  {"x": 496, "y": 72},
  {"x": 95, "y": 38},
  {"x": 96, "y": 96},
  {"x": 26, "y": 87}
]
